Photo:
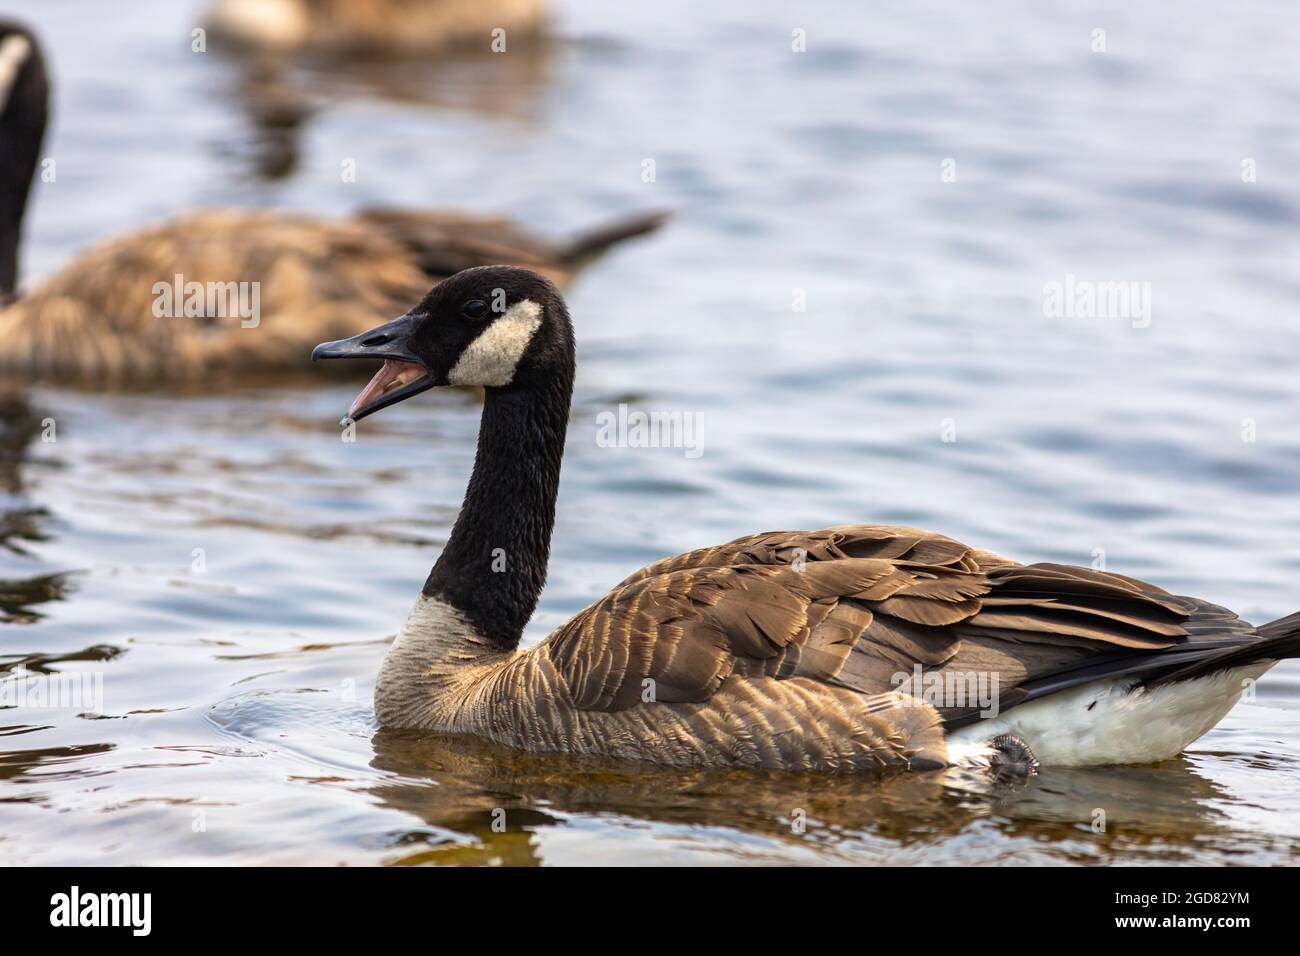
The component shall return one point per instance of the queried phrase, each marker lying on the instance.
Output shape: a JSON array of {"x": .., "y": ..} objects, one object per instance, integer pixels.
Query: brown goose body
[
  {"x": 218, "y": 293},
  {"x": 97, "y": 318},
  {"x": 786, "y": 650},
  {"x": 371, "y": 27}
]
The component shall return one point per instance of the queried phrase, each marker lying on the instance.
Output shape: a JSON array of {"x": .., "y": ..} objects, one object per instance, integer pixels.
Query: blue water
[{"x": 237, "y": 724}]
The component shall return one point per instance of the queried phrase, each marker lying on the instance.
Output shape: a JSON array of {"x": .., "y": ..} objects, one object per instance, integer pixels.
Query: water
[{"x": 237, "y": 725}]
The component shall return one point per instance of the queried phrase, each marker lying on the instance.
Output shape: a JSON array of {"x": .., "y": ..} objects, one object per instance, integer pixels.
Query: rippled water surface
[{"x": 237, "y": 725}]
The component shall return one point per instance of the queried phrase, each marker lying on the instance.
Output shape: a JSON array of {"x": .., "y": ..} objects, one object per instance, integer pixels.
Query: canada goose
[
  {"x": 806, "y": 650},
  {"x": 370, "y": 27},
  {"x": 224, "y": 292}
]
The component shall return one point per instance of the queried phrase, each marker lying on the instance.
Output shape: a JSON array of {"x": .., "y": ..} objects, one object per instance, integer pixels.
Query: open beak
[{"x": 402, "y": 374}]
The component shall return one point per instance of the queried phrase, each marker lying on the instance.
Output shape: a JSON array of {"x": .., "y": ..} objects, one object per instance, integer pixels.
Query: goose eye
[{"x": 475, "y": 309}]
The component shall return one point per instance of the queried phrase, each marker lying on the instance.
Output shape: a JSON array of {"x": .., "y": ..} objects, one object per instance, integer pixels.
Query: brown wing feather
[
  {"x": 686, "y": 629},
  {"x": 854, "y": 608}
]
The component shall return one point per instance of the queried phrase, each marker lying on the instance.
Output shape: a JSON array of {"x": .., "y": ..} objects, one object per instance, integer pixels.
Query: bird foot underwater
[
  {"x": 1012, "y": 757},
  {"x": 1006, "y": 757}
]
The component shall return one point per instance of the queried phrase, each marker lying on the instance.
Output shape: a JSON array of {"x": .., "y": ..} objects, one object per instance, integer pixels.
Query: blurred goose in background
[
  {"x": 117, "y": 313},
  {"x": 384, "y": 28},
  {"x": 850, "y": 648}
]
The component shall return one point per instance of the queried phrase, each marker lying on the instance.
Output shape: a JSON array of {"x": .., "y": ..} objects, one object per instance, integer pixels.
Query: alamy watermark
[
  {"x": 632, "y": 428},
  {"x": 133, "y": 911},
  {"x": 208, "y": 300},
  {"x": 947, "y": 689},
  {"x": 1077, "y": 298},
  {"x": 68, "y": 690}
]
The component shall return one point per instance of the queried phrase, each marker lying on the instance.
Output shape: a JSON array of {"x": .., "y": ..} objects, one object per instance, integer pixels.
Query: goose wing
[
  {"x": 739, "y": 661},
  {"x": 865, "y": 608},
  {"x": 688, "y": 630},
  {"x": 443, "y": 243}
]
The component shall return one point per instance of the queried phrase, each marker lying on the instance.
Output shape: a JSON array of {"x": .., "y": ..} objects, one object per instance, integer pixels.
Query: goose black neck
[
  {"x": 494, "y": 565},
  {"x": 22, "y": 130}
]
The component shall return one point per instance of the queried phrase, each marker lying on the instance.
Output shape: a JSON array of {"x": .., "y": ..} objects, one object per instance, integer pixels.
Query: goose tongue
[{"x": 393, "y": 374}]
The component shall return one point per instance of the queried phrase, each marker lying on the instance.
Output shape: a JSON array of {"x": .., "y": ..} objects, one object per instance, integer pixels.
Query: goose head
[
  {"x": 24, "y": 92},
  {"x": 498, "y": 327}
]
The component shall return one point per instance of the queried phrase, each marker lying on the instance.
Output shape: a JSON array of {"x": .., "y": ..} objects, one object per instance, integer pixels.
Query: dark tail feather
[
  {"x": 1280, "y": 639},
  {"x": 590, "y": 243},
  {"x": 1288, "y": 626}
]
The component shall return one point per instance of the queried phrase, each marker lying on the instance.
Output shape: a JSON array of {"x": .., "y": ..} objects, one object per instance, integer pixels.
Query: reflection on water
[
  {"x": 279, "y": 96},
  {"x": 278, "y": 91},
  {"x": 482, "y": 804},
  {"x": 233, "y": 571},
  {"x": 53, "y": 763}
]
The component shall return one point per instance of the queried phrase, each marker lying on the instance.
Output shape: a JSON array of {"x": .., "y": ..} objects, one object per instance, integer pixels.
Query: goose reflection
[
  {"x": 278, "y": 92},
  {"x": 20, "y": 423},
  {"x": 482, "y": 804},
  {"x": 22, "y": 523},
  {"x": 51, "y": 763}
]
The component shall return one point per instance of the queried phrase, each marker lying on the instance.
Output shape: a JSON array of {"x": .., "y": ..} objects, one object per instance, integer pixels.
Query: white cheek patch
[
  {"x": 491, "y": 359},
  {"x": 14, "y": 50}
]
